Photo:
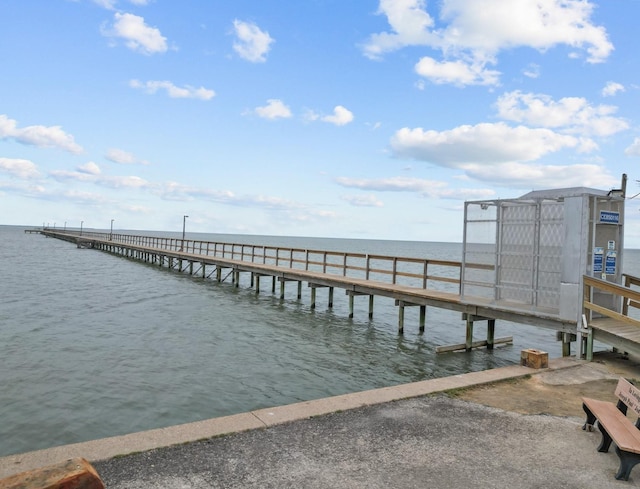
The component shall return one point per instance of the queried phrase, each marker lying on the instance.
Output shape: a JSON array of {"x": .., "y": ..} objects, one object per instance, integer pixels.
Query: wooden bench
[{"x": 615, "y": 426}]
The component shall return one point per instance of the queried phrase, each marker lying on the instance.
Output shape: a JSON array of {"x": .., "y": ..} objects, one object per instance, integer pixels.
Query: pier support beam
[
  {"x": 401, "y": 305},
  {"x": 371, "y": 306},
  {"x": 313, "y": 294},
  {"x": 566, "y": 339},
  {"x": 491, "y": 333},
  {"x": 469, "y": 337}
]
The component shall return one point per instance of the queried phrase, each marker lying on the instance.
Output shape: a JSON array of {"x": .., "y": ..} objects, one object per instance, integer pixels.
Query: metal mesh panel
[{"x": 522, "y": 241}]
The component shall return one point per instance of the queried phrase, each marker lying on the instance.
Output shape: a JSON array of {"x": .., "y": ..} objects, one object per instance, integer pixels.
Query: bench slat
[{"x": 625, "y": 435}]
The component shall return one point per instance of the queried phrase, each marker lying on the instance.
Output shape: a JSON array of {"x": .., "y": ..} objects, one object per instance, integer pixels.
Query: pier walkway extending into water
[{"x": 411, "y": 282}]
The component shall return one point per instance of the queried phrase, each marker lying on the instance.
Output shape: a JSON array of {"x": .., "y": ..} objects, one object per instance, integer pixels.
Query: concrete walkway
[{"x": 356, "y": 441}]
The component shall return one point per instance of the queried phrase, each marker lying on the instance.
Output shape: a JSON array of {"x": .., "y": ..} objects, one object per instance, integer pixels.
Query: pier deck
[{"x": 409, "y": 281}]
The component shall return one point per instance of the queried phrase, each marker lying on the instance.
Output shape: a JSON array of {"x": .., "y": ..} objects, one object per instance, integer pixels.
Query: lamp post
[
  {"x": 184, "y": 223},
  {"x": 111, "y": 232},
  {"x": 81, "y": 223}
]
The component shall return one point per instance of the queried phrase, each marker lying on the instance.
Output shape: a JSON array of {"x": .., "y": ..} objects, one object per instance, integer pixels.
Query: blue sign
[
  {"x": 609, "y": 217},
  {"x": 610, "y": 263},
  {"x": 597, "y": 263}
]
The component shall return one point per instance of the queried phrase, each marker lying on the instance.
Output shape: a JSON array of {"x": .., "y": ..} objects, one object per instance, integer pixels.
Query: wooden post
[
  {"x": 423, "y": 315},
  {"x": 218, "y": 273},
  {"x": 469, "y": 339},
  {"x": 204, "y": 271},
  {"x": 282, "y": 288},
  {"x": 273, "y": 285},
  {"x": 400, "y": 317},
  {"x": 371, "y": 306},
  {"x": 252, "y": 279},
  {"x": 313, "y": 297},
  {"x": 330, "y": 297},
  {"x": 299, "y": 289},
  {"x": 257, "y": 284},
  {"x": 491, "y": 332},
  {"x": 350, "y": 306},
  {"x": 589, "y": 345}
]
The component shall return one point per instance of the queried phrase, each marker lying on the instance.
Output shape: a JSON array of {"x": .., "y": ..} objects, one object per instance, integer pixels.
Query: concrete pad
[{"x": 135, "y": 442}]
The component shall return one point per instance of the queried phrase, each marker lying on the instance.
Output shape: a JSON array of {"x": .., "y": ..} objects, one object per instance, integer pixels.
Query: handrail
[
  {"x": 630, "y": 280},
  {"x": 416, "y": 272},
  {"x": 630, "y": 298}
]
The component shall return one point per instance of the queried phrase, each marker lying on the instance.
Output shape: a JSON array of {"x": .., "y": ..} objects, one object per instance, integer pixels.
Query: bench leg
[
  {"x": 606, "y": 439},
  {"x": 591, "y": 419},
  {"x": 628, "y": 461}
]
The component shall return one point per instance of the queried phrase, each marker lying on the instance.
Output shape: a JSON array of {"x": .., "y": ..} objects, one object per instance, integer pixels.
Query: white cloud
[
  {"x": 252, "y": 43},
  {"x": 471, "y": 34},
  {"x": 484, "y": 143},
  {"x": 488, "y": 26},
  {"x": 137, "y": 35},
  {"x": 90, "y": 168},
  {"x": 340, "y": 117},
  {"x": 40, "y": 136},
  {"x": 634, "y": 149},
  {"x": 20, "y": 168},
  {"x": 79, "y": 175},
  {"x": 612, "y": 88},
  {"x": 111, "y": 4},
  {"x": 572, "y": 115},
  {"x": 123, "y": 157},
  {"x": 535, "y": 176},
  {"x": 410, "y": 24},
  {"x": 367, "y": 200},
  {"x": 532, "y": 71},
  {"x": 275, "y": 109},
  {"x": 172, "y": 90},
  {"x": 427, "y": 188},
  {"x": 456, "y": 72},
  {"x": 130, "y": 181}
]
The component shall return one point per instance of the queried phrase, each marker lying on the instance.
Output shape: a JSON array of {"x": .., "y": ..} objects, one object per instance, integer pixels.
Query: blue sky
[{"x": 361, "y": 119}]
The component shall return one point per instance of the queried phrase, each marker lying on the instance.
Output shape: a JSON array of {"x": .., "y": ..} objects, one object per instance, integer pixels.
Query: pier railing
[
  {"x": 630, "y": 298},
  {"x": 412, "y": 272}
]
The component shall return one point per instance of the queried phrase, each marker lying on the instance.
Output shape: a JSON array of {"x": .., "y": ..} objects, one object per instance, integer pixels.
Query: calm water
[{"x": 95, "y": 345}]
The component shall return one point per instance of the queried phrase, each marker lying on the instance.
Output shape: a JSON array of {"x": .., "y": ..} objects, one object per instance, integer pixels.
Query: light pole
[
  {"x": 184, "y": 223},
  {"x": 111, "y": 232},
  {"x": 81, "y": 223}
]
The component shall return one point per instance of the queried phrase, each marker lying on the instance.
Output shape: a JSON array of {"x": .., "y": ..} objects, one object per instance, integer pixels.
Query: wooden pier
[{"x": 410, "y": 282}]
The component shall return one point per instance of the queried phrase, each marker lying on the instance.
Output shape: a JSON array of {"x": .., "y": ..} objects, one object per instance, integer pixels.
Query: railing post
[
  {"x": 344, "y": 265},
  {"x": 395, "y": 269},
  {"x": 425, "y": 274},
  {"x": 368, "y": 267}
]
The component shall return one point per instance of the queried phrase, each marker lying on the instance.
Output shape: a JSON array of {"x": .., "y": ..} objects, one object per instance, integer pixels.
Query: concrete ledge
[{"x": 147, "y": 440}]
